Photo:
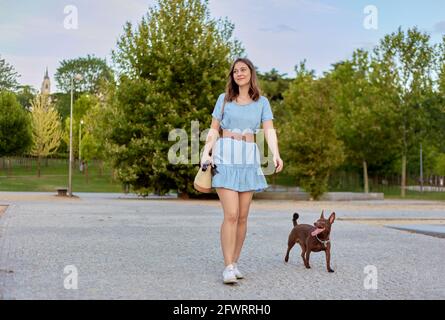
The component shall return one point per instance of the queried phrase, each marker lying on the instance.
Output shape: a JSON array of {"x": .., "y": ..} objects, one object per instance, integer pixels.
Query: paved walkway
[{"x": 169, "y": 249}]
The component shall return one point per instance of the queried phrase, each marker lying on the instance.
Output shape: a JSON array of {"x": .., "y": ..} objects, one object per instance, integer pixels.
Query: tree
[
  {"x": 408, "y": 59},
  {"x": 92, "y": 69},
  {"x": 25, "y": 95},
  {"x": 364, "y": 119},
  {"x": 311, "y": 146},
  {"x": 15, "y": 126},
  {"x": 8, "y": 76},
  {"x": 172, "y": 67},
  {"x": 273, "y": 84},
  {"x": 80, "y": 108},
  {"x": 46, "y": 129}
]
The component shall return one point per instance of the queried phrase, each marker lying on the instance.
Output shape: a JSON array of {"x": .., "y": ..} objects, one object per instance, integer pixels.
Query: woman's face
[{"x": 241, "y": 74}]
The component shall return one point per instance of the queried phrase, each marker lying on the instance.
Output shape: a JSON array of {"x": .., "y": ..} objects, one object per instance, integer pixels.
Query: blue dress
[{"x": 238, "y": 162}]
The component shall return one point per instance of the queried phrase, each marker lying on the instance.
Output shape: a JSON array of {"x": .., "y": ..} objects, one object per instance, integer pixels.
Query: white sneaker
[
  {"x": 238, "y": 274},
  {"x": 229, "y": 274}
]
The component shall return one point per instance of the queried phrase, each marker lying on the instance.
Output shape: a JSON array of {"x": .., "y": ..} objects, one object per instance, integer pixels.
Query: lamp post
[
  {"x": 76, "y": 77},
  {"x": 80, "y": 139}
]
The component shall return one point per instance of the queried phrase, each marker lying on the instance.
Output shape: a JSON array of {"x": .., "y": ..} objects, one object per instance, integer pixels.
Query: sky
[{"x": 275, "y": 33}]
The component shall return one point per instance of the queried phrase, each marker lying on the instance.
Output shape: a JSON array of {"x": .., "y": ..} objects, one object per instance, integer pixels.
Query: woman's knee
[
  {"x": 242, "y": 219},
  {"x": 231, "y": 217}
]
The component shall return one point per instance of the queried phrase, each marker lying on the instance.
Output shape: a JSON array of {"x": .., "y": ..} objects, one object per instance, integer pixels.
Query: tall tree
[
  {"x": 273, "y": 84},
  {"x": 409, "y": 58},
  {"x": 25, "y": 94},
  {"x": 93, "y": 70},
  {"x": 46, "y": 129},
  {"x": 81, "y": 107},
  {"x": 173, "y": 66},
  {"x": 15, "y": 126},
  {"x": 364, "y": 119},
  {"x": 8, "y": 76},
  {"x": 310, "y": 142}
]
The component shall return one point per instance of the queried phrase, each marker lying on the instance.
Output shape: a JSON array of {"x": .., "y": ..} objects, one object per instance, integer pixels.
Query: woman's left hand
[{"x": 278, "y": 163}]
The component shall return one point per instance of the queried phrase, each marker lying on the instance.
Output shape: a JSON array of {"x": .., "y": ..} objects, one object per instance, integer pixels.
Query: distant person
[
  {"x": 81, "y": 166},
  {"x": 239, "y": 112}
]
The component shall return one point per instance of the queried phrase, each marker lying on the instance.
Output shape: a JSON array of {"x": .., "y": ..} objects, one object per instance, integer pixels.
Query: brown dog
[{"x": 312, "y": 238}]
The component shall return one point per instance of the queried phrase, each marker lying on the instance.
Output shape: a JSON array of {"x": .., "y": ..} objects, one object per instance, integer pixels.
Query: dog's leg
[
  {"x": 328, "y": 258},
  {"x": 308, "y": 253},
  {"x": 290, "y": 245},
  {"x": 303, "y": 253}
]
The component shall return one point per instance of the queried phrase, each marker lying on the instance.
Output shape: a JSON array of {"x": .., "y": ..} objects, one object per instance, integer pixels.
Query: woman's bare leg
[
  {"x": 245, "y": 198},
  {"x": 230, "y": 202}
]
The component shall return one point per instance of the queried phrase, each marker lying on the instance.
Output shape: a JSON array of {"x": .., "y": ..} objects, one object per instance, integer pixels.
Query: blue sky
[{"x": 275, "y": 33}]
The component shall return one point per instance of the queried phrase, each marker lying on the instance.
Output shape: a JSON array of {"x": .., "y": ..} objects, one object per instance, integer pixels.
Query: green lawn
[
  {"x": 391, "y": 192},
  {"x": 55, "y": 175}
]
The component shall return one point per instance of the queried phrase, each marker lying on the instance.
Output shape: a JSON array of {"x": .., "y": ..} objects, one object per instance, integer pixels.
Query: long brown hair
[{"x": 232, "y": 89}]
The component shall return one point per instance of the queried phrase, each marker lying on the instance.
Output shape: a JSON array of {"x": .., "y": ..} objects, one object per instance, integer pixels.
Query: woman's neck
[{"x": 244, "y": 92}]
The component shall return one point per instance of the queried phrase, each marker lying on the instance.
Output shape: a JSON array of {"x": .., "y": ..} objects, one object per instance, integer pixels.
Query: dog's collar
[{"x": 325, "y": 242}]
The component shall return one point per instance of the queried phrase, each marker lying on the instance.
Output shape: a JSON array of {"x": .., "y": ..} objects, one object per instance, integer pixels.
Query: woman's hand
[
  {"x": 278, "y": 163},
  {"x": 206, "y": 157}
]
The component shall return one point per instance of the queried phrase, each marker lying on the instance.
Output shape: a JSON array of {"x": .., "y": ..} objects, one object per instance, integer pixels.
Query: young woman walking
[{"x": 239, "y": 112}]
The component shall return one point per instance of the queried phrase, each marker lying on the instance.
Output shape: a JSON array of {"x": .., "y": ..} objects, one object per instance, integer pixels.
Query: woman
[{"x": 239, "y": 112}]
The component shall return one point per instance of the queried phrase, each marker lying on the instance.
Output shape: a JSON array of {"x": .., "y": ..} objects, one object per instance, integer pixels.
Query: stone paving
[{"x": 170, "y": 249}]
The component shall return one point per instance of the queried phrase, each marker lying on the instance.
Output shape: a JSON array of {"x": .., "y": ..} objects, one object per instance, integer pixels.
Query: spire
[{"x": 46, "y": 84}]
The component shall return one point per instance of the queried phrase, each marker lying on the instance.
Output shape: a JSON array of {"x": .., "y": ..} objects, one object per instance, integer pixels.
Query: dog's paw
[
  {"x": 308, "y": 267},
  {"x": 330, "y": 270}
]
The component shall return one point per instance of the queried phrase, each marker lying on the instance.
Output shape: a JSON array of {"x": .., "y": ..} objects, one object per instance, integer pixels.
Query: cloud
[
  {"x": 306, "y": 5},
  {"x": 440, "y": 27},
  {"x": 278, "y": 29}
]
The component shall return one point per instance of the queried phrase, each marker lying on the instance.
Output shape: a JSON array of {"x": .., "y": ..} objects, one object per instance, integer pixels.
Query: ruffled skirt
[{"x": 239, "y": 166}]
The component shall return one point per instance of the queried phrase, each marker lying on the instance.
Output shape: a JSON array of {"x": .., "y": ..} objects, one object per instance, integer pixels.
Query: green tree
[
  {"x": 273, "y": 84},
  {"x": 25, "y": 94},
  {"x": 311, "y": 146},
  {"x": 93, "y": 70},
  {"x": 408, "y": 59},
  {"x": 172, "y": 67},
  {"x": 80, "y": 108},
  {"x": 15, "y": 126},
  {"x": 46, "y": 129},
  {"x": 8, "y": 76},
  {"x": 364, "y": 119}
]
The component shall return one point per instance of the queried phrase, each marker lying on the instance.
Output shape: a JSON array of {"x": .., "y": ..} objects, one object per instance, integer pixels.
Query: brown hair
[{"x": 232, "y": 89}]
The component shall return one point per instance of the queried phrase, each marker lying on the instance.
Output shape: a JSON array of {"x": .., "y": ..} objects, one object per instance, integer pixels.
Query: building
[{"x": 46, "y": 84}]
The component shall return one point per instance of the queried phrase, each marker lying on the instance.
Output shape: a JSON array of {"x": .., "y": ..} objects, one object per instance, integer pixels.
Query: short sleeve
[
  {"x": 266, "y": 114},
  {"x": 218, "y": 107}
]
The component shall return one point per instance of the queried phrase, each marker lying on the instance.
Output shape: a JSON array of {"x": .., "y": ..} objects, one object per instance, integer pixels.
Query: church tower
[{"x": 46, "y": 85}]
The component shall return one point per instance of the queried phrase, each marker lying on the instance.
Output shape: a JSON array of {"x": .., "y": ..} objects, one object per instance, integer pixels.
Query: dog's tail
[{"x": 294, "y": 219}]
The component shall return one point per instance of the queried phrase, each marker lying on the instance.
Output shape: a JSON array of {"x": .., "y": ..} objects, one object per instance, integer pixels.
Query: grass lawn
[
  {"x": 391, "y": 192},
  {"x": 55, "y": 175}
]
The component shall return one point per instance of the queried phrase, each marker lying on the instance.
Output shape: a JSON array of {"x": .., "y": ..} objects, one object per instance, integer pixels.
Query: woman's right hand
[{"x": 206, "y": 157}]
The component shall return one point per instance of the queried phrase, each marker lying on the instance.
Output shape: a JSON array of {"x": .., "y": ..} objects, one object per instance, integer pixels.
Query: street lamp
[
  {"x": 80, "y": 139},
  {"x": 76, "y": 77}
]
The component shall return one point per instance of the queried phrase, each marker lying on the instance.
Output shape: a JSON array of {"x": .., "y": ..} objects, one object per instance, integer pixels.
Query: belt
[{"x": 248, "y": 137}]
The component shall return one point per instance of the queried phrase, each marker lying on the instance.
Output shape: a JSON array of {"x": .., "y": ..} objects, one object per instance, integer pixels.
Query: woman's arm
[
  {"x": 271, "y": 137},
  {"x": 212, "y": 136},
  {"x": 272, "y": 141}
]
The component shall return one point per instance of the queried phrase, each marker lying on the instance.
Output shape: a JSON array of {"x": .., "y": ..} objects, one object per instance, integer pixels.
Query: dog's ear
[
  {"x": 322, "y": 216},
  {"x": 332, "y": 218}
]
